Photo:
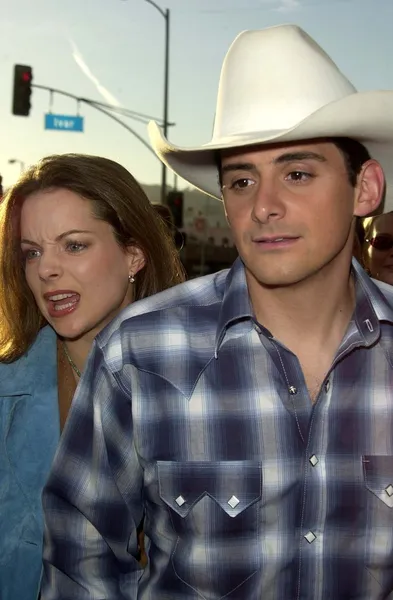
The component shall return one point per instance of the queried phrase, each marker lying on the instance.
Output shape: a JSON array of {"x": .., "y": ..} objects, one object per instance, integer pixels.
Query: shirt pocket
[
  {"x": 378, "y": 477},
  {"x": 213, "y": 508},
  {"x": 378, "y": 480}
]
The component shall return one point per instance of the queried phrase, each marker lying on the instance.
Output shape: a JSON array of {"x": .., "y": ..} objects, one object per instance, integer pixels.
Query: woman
[
  {"x": 377, "y": 249},
  {"x": 79, "y": 241}
]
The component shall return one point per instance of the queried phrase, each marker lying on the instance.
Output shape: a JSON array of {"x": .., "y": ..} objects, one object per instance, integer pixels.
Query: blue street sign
[{"x": 63, "y": 122}]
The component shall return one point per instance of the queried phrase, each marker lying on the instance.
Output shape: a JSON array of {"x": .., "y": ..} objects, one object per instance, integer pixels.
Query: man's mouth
[{"x": 275, "y": 240}]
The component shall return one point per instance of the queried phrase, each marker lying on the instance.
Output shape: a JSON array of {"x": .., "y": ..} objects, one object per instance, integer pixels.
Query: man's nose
[{"x": 268, "y": 203}]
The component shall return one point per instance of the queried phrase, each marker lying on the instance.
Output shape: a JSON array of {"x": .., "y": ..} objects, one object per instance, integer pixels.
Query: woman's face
[
  {"x": 76, "y": 270},
  {"x": 378, "y": 255}
]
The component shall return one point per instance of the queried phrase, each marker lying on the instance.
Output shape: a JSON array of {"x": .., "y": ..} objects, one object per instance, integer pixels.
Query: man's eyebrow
[
  {"x": 240, "y": 166},
  {"x": 294, "y": 156},
  {"x": 59, "y": 237},
  {"x": 287, "y": 157}
]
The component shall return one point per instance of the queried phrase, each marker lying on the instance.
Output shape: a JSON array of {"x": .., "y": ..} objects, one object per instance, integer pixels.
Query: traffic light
[
  {"x": 23, "y": 76},
  {"x": 175, "y": 204}
]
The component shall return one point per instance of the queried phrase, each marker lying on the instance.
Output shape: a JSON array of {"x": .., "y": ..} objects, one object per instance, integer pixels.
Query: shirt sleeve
[{"x": 93, "y": 498}]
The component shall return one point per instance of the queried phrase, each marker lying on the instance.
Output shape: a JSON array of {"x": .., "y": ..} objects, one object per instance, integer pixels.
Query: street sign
[{"x": 63, "y": 122}]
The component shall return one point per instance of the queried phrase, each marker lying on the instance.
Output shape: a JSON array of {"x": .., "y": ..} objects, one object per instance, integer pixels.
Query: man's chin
[
  {"x": 276, "y": 279},
  {"x": 278, "y": 283}
]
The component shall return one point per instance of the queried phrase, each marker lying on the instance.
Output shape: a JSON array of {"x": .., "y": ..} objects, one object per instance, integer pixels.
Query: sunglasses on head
[{"x": 382, "y": 241}]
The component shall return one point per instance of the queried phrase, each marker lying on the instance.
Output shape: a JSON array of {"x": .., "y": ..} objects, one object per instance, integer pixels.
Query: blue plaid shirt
[{"x": 194, "y": 418}]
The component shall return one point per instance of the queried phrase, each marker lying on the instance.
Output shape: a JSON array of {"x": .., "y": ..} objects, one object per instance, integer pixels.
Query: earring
[{"x": 131, "y": 279}]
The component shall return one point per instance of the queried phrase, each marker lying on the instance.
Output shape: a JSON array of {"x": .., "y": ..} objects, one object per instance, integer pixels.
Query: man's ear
[
  {"x": 136, "y": 259},
  {"x": 370, "y": 189}
]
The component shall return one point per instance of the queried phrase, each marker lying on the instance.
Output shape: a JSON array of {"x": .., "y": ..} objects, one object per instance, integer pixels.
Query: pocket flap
[
  {"x": 234, "y": 485},
  {"x": 378, "y": 477}
]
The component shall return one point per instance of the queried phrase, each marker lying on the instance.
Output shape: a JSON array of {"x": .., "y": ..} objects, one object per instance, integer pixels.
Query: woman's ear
[{"x": 136, "y": 260}]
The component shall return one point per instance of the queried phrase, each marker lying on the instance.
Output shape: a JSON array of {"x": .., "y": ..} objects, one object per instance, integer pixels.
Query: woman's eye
[
  {"x": 75, "y": 247},
  {"x": 31, "y": 254}
]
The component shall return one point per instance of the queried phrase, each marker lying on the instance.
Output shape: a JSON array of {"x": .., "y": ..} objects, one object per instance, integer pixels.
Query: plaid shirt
[{"x": 194, "y": 417}]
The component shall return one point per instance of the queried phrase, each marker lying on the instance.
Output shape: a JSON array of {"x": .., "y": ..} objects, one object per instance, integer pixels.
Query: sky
[{"x": 112, "y": 51}]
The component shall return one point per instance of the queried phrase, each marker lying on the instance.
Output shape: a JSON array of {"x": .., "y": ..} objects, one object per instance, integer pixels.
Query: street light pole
[
  {"x": 166, "y": 100},
  {"x": 166, "y": 15}
]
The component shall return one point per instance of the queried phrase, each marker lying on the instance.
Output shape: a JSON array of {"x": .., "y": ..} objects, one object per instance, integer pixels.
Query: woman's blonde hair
[
  {"x": 367, "y": 224},
  {"x": 117, "y": 198}
]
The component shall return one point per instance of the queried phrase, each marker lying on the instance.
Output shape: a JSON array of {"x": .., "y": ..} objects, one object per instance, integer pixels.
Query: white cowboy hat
[{"x": 278, "y": 85}]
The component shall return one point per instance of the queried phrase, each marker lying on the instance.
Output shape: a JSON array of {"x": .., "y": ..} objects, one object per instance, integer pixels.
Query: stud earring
[{"x": 131, "y": 279}]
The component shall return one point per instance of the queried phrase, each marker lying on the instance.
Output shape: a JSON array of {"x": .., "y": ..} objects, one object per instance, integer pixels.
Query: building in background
[{"x": 208, "y": 244}]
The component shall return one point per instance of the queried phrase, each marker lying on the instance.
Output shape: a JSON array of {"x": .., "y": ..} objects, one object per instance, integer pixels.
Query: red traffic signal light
[
  {"x": 175, "y": 204},
  {"x": 23, "y": 76}
]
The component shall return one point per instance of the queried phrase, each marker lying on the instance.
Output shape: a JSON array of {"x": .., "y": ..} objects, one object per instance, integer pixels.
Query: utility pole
[{"x": 166, "y": 101}]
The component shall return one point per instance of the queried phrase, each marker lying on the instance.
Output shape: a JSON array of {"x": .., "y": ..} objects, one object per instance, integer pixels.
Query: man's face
[{"x": 290, "y": 208}]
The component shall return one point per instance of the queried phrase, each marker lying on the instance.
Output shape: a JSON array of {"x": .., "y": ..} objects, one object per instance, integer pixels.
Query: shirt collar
[
  {"x": 372, "y": 306},
  {"x": 236, "y": 305}
]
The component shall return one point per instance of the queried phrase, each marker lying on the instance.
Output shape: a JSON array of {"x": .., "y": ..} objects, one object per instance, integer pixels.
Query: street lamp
[
  {"x": 13, "y": 161},
  {"x": 165, "y": 14}
]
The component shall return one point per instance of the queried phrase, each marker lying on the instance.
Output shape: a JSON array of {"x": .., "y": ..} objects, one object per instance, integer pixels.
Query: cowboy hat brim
[{"x": 364, "y": 116}]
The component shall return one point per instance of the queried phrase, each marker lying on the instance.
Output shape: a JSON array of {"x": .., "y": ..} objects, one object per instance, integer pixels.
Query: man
[{"x": 248, "y": 416}]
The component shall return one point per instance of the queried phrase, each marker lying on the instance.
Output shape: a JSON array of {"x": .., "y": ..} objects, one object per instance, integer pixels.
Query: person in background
[
  {"x": 248, "y": 415},
  {"x": 377, "y": 247},
  {"x": 166, "y": 214},
  {"x": 79, "y": 241},
  {"x": 358, "y": 240}
]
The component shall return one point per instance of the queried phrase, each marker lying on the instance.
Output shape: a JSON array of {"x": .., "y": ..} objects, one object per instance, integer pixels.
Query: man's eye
[
  {"x": 298, "y": 176},
  {"x": 241, "y": 184}
]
